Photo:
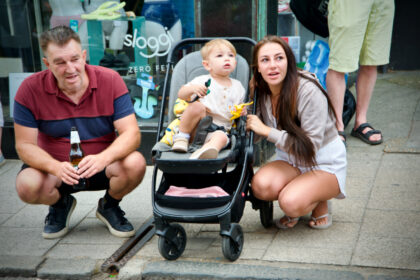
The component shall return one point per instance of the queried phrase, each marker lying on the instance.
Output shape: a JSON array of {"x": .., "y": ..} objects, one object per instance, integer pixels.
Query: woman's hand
[{"x": 255, "y": 124}]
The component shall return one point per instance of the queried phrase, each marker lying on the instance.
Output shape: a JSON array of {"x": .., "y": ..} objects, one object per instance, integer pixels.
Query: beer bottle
[{"x": 76, "y": 155}]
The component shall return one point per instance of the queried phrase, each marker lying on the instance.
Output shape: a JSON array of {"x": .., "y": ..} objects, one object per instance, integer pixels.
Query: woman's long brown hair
[{"x": 298, "y": 143}]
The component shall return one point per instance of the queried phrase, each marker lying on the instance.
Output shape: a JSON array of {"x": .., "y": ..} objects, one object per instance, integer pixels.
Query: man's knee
[
  {"x": 135, "y": 162},
  {"x": 29, "y": 188}
]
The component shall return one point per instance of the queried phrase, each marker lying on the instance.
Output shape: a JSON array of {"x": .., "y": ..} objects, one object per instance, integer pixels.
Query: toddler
[{"x": 219, "y": 59}]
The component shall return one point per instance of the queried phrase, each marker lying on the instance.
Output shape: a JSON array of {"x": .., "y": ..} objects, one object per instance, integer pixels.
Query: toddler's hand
[{"x": 200, "y": 90}]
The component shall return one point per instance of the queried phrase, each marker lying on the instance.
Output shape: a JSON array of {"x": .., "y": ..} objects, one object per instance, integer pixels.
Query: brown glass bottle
[{"x": 76, "y": 155}]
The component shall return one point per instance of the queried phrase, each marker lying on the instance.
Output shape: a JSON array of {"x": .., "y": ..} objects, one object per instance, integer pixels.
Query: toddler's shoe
[
  {"x": 205, "y": 153},
  {"x": 180, "y": 145}
]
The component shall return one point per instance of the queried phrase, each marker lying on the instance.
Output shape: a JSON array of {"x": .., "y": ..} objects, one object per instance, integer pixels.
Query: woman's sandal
[
  {"x": 324, "y": 226},
  {"x": 328, "y": 216},
  {"x": 358, "y": 132},
  {"x": 289, "y": 220}
]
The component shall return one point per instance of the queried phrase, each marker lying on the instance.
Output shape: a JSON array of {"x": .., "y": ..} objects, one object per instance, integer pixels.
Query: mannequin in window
[{"x": 64, "y": 11}]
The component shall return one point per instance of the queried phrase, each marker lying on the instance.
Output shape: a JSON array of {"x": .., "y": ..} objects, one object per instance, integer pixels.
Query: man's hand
[
  {"x": 67, "y": 173},
  {"x": 90, "y": 165}
]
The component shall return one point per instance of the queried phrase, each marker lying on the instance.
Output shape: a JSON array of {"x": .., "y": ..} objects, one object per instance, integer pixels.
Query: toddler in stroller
[
  {"x": 216, "y": 93},
  {"x": 211, "y": 188}
]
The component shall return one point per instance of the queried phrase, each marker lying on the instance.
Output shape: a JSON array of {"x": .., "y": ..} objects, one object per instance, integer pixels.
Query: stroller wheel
[
  {"x": 266, "y": 213},
  {"x": 232, "y": 247},
  {"x": 172, "y": 243}
]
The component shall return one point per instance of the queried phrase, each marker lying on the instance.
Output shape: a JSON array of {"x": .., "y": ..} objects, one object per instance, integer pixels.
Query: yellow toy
[
  {"x": 170, "y": 131},
  {"x": 238, "y": 110},
  {"x": 179, "y": 107},
  {"x": 173, "y": 127}
]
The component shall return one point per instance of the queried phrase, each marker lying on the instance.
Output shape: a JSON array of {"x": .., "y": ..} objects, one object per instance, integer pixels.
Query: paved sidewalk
[{"x": 375, "y": 232}]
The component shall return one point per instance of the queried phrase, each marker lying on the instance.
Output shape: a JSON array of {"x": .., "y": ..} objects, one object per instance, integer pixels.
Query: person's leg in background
[
  {"x": 336, "y": 85},
  {"x": 375, "y": 51},
  {"x": 347, "y": 22}
]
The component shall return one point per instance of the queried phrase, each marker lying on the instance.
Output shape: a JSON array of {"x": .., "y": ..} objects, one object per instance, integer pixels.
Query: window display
[{"x": 132, "y": 37}]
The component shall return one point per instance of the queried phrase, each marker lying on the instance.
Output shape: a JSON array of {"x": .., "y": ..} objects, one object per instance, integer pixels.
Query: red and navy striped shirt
[{"x": 39, "y": 103}]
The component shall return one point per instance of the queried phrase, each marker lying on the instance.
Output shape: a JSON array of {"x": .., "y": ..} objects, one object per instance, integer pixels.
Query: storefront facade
[{"x": 135, "y": 47}]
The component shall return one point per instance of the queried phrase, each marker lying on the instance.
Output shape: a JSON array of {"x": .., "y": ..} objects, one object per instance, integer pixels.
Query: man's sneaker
[
  {"x": 57, "y": 220},
  {"x": 180, "y": 145},
  {"x": 114, "y": 219}
]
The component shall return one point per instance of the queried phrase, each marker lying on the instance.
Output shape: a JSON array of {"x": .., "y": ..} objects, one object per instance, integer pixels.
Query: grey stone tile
[
  {"x": 24, "y": 242},
  {"x": 150, "y": 249},
  {"x": 81, "y": 268},
  {"x": 395, "y": 197},
  {"x": 362, "y": 169},
  {"x": 258, "y": 240},
  {"x": 24, "y": 266},
  {"x": 401, "y": 161},
  {"x": 387, "y": 252},
  {"x": 30, "y": 216},
  {"x": 336, "y": 256},
  {"x": 414, "y": 139},
  {"x": 359, "y": 187},
  {"x": 363, "y": 155},
  {"x": 349, "y": 210},
  {"x": 76, "y": 251},
  {"x": 91, "y": 231},
  {"x": 391, "y": 224},
  {"x": 88, "y": 198},
  {"x": 200, "y": 243},
  {"x": 339, "y": 235},
  {"x": 212, "y": 253},
  {"x": 252, "y": 253},
  {"x": 399, "y": 168},
  {"x": 396, "y": 176},
  {"x": 33, "y": 216},
  {"x": 302, "y": 244},
  {"x": 4, "y": 218},
  {"x": 10, "y": 203}
]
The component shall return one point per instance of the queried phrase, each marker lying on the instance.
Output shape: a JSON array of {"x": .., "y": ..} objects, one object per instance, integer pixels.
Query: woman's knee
[
  {"x": 261, "y": 187},
  {"x": 291, "y": 204}
]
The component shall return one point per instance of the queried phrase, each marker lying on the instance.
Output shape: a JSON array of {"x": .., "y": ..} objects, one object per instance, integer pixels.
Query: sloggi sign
[{"x": 155, "y": 44}]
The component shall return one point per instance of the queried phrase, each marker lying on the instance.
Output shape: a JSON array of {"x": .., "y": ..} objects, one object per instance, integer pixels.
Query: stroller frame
[{"x": 227, "y": 212}]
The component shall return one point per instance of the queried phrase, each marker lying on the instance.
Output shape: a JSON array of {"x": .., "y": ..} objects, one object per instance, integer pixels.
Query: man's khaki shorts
[{"x": 360, "y": 33}]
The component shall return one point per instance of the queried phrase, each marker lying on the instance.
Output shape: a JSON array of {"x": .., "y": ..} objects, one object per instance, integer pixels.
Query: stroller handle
[{"x": 201, "y": 40}]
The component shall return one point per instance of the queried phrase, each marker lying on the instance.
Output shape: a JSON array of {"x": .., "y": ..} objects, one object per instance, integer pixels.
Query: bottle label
[{"x": 74, "y": 137}]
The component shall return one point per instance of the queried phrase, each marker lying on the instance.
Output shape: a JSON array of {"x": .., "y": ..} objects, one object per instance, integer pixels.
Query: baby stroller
[{"x": 231, "y": 170}]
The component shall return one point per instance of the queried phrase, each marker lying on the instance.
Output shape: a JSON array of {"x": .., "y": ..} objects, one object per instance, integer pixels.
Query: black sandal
[
  {"x": 343, "y": 134},
  {"x": 358, "y": 132}
]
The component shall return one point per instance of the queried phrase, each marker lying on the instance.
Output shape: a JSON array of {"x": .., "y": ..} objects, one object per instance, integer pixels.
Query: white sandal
[
  {"x": 325, "y": 226},
  {"x": 328, "y": 216},
  {"x": 289, "y": 220}
]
